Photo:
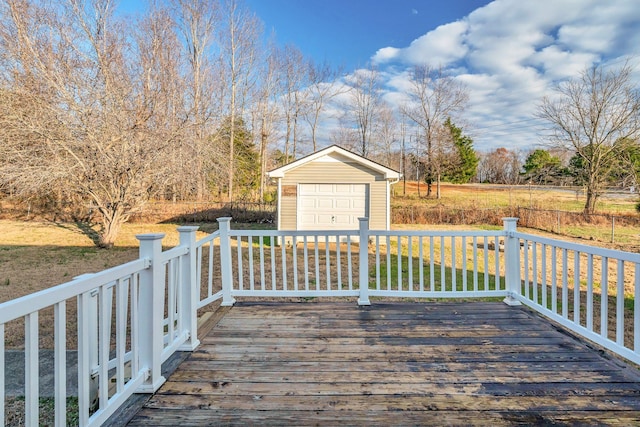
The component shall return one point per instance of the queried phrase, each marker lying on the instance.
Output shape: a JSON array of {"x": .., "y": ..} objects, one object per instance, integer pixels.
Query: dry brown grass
[{"x": 38, "y": 255}]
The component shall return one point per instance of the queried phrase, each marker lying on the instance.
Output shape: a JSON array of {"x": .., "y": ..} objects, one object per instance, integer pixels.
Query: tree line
[
  {"x": 182, "y": 101},
  {"x": 188, "y": 100}
]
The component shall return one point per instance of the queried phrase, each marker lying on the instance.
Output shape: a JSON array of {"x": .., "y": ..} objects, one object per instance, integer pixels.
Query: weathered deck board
[{"x": 393, "y": 364}]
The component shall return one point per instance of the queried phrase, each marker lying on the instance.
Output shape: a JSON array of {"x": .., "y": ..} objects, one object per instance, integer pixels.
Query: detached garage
[{"x": 330, "y": 189}]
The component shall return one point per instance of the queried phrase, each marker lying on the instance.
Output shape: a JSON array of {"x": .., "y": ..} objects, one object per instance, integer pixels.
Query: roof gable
[{"x": 336, "y": 153}]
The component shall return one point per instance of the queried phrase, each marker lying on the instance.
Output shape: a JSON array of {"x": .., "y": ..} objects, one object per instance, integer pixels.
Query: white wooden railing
[
  {"x": 132, "y": 318},
  {"x": 592, "y": 291}
]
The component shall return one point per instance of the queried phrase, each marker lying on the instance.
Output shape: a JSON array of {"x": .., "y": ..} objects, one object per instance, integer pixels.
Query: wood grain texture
[{"x": 393, "y": 364}]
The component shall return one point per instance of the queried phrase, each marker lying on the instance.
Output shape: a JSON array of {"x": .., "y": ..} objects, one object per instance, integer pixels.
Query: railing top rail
[
  {"x": 174, "y": 253},
  {"x": 594, "y": 250},
  {"x": 438, "y": 233},
  {"x": 22, "y": 306},
  {"x": 208, "y": 238},
  {"x": 291, "y": 233},
  {"x": 416, "y": 233}
]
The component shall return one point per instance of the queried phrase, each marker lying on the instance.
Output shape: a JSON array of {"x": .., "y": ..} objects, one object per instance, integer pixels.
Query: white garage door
[{"x": 331, "y": 206}]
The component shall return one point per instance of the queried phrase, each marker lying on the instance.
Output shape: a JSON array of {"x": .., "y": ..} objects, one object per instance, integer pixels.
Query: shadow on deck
[{"x": 324, "y": 363}]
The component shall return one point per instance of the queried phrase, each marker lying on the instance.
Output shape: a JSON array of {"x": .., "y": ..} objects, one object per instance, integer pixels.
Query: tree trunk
[
  {"x": 263, "y": 160},
  {"x": 438, "y": 186},
  {"x": 112, "y": 220},
  {"x": 592, "y": 199}
]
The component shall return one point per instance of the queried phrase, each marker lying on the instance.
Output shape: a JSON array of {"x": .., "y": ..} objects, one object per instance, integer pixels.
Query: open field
[
  {"x": 485, "y": 196},
  {"x": 558, "y": 211},
  {"x": 37, "y": 255}
]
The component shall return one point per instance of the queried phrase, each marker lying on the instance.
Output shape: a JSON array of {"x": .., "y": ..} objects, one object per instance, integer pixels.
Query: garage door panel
[
  {"x": 341, "y": 203},
  {"x": 358, "y": 204},
  {"x": 325, "y": 188},
  {"x": 325, "y": 220},
  {"x": 325, "y": 203},
  {"x": 344, "y": 188},
  {"x": 344, "y": 219},
  {"x": 331, "y": 206},
  {"x": 308, "y": 203},
  {"x": 309, "y": 219},
  {"x": 305, "y": 189}
]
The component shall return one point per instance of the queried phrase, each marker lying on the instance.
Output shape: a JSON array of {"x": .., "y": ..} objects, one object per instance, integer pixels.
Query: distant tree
[
  {"x": 292, "y": 102},
  {"x": 577, "y": 170},
  {"x": 387, "y": 136},
  {"x": 500, "y": 166},
  {"x": 588, "y": 116},
  {"x": 196, "y": 21},
  {"x": 541, "y": 167},
  {"x": 464, "y": 165},
  {"x": 266, "y": 112},
  {"x": 433, "y": 97},
  {"x": 246, "y": 159},
  {"x": 628, "y": 172},
  {"x": 239, "y": 44},
  {"x": 319, "y": 91},
  {"x": 364, "y": 106},
  {"x": 279, "y": 158}
]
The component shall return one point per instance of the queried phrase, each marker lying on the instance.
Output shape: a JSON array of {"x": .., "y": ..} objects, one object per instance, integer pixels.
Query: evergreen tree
[
  {"x": 464, "y": 165},
  {"x": 246, "y": 179},
  {"x": 542, "y": 168}
]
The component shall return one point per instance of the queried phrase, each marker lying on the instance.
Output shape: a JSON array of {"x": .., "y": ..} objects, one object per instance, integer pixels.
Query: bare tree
[
  {"x": 365, "y": 100},
  {"x": 387, "y": 134},
  {"x": 500, "y": 166},
  {"x": 88, "y": 110},
  {"x": 292, "y": 101},
  {"x": 239, "y": 41},
  {"x": 266, "y": 110},
  {"x": 433, "y": 97},
  {"x": 320, "y": 90},
  {"x": 196, "y": 21},
  {"x": 589, "y": 115}
]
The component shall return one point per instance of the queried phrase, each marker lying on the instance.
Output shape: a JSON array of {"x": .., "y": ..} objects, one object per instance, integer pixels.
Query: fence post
[
  {"x": 151, "y": 311},
  {"x": 363, "y": 262},
  {"x": 225, "y": 262},
  {"x": 92, "y": 325},
  {"x": 613, "y": 229},
  {"x": 511, "y": 261},
  {"x": 190, "y": 288}
]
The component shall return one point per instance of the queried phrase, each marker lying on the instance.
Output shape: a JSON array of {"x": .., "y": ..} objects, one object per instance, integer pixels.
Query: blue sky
[
  {"x": 509, "y": 53},
  {"x": 349, "y": 32}
]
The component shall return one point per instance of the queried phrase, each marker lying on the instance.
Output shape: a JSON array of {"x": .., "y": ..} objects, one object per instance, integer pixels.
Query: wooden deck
[{"x": 393, "y": 364}]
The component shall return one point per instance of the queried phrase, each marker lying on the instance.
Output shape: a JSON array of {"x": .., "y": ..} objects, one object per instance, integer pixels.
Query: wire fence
[
  {"x": 443, "y": 214},
  {"x": 572, "y": 223}
]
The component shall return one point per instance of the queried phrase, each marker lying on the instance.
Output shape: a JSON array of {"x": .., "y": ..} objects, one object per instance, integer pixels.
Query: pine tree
[{"x": 464, "y": 166}]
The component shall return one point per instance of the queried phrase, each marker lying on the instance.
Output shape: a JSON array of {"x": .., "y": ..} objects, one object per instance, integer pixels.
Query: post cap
[{"x": 150, "y": 236}]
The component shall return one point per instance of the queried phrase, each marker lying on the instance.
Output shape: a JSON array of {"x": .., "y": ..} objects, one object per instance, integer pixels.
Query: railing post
[
  {"x": 151, "y": 312},
  {"x": 190, "y": 288},
  {"x": 363, "y": 262},
  {"x": 225, "y": 262},
  {"x": 92, "y": 324},
  {"x": 511, "y": 261}
]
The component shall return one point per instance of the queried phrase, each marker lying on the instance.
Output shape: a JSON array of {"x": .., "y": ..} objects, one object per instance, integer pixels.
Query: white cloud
[
  {"x": 438, "y": 47},
  {"x": 561, "y": 64},
  {"x": 510, "y": 53},
  {"x": 386, "y": 54}
]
